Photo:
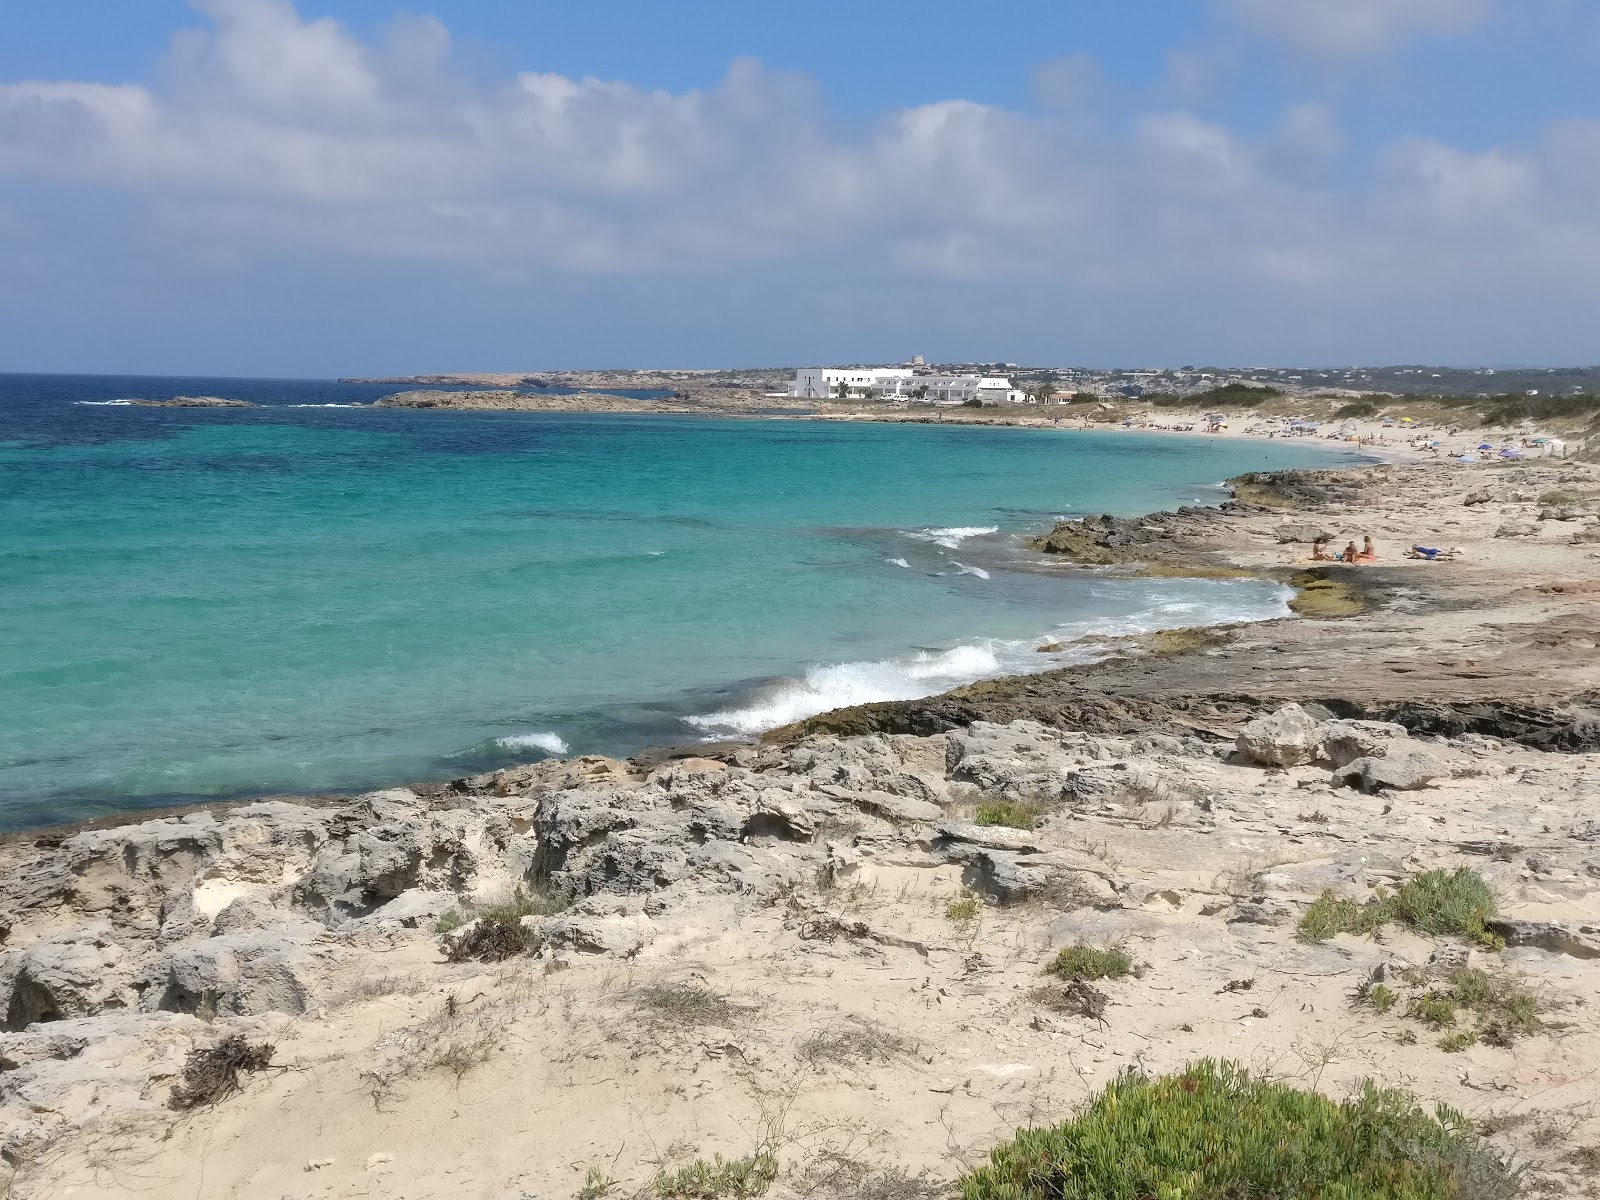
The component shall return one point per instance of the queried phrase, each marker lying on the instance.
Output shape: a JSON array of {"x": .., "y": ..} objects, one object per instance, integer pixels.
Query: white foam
[
  {"x": 838, "y": 685},
  {"x": 952, "y": 536},
  {"x": 963, "y": 569},
  {"x": 326, "y": 406},
  {"x": 550, "y": 743},
  {"x": 899, "y": 562},
  {"x": 102, "y": 403}
]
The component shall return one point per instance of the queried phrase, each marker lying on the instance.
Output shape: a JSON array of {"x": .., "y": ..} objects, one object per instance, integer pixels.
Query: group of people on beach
[{"x": 1367, "y": 553}]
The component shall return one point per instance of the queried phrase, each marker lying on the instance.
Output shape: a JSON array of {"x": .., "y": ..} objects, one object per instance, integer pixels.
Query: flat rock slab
[{"x": 992, "y": 837}]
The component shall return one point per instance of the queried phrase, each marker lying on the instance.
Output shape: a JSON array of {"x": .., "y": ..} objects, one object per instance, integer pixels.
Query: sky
[{"x": 351, "y": 187}]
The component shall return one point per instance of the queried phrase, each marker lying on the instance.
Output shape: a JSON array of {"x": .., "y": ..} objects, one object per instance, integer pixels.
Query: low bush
[
  {"x": 1087, "y": 962},
  {"x": 1215, "y": 1132},
  {"x": 965, "y": 909},
  {"x": 1356, "y": 409},
  {"x": 721, "y": 1177},
  {"x": 1018, "y": 814},
  {"x": 1436, "y": 902}
]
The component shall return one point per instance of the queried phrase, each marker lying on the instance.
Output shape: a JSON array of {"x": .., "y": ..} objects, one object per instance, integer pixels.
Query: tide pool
[{"x": 216, "y": 602}]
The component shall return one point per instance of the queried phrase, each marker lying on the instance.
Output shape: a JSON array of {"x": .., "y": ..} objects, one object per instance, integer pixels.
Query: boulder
[
  {"x": 1302, "y": 533},
  {"x": 1289, "y": 737},
  {"x": 1345, "y": 741},
  {"x": 238, "y": 976},
  {"x": 1260, "y": 910},
  {"x": 1001, "y": 876},
  {"x": 1401, "y": 768}
]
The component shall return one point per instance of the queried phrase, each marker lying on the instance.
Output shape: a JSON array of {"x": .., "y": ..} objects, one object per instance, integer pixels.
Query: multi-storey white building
[
  {"x": 901, "y": 383},
  {"x": 823, "y": 383}
]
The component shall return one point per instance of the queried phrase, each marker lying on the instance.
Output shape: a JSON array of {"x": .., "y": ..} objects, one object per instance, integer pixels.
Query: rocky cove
[{"x": 830, "y": 947}]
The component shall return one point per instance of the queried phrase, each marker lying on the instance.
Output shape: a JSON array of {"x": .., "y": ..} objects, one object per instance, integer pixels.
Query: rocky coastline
[{"x": 829, "y": 948}]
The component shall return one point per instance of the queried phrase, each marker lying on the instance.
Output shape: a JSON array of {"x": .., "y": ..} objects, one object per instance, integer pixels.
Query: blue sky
[{"x": 353, "y": 187}]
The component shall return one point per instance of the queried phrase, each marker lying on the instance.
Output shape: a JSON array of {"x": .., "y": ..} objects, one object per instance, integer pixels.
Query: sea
[{"x": 315, "y": 595}]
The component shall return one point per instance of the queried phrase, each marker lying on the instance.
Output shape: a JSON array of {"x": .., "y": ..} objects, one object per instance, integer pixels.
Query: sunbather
[{"x": 1368, "y": 552}]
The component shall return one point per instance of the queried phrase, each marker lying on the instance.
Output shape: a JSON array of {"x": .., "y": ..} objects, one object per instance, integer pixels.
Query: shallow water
[{"x": 221, "y": 602}]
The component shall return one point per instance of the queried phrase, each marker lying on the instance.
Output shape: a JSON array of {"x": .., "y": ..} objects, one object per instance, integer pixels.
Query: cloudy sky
[{"x": 348, "y": 187}]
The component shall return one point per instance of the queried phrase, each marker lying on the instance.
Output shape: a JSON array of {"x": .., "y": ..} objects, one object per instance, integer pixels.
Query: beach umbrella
[{"x": 1485, "y": 446}]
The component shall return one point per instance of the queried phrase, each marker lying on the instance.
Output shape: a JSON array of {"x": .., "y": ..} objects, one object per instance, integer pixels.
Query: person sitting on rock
[
  {"x": 1348, "y": 555},
  {"x": 1319, "y": 550},
  {"x": 1369, "y": 552}
]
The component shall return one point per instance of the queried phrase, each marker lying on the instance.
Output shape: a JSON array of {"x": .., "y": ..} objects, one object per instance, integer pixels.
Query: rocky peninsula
[
  {"x": 1361, "y": 842},
  {"x": 720, "y": 401},
  {"x": 194, "y": 402}
]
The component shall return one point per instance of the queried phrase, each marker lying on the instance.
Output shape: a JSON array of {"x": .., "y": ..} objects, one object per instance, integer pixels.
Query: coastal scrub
[
  {"x": 1215, "y": 1130},
  {"x": 1087, "y": 962},
  {"x": 1438, "y": 902}
]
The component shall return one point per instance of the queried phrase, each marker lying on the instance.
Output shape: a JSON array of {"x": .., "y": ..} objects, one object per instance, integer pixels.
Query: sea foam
[
  {"x": 952, "y": 536},
  {"x": 550, "y": 743}
]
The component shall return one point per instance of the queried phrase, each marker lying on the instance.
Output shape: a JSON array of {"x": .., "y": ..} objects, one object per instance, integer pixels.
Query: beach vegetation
[
  {"x": 596, "y": 1183},
  {"x": 1356, "y": 410},
  {"x": 1382, "y": 997},
  {"x": 1214, "y": 1130},
  {"x": 498, "y": 928},
  {"x": 857, "y": 1042},
  {"x": 211, "y": 1073},
  {"x": 1438, "y": 902},
  {"x": 1454, "y": 1043},
  {"x": 967, "y": 908},
  {"x": 1017, "y": 814},
  {"x": 685, "y": 1004},
  {"x": 719, "y": 1178},
  {"x": 1088, "y": 962}
]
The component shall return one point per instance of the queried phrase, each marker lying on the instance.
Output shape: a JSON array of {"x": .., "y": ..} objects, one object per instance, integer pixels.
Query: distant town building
[
  {"x": 901, "y": 383},
  {"x": 918, "y": 361}
]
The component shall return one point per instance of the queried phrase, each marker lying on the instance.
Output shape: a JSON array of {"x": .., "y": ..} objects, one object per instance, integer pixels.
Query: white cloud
[
  {"x": 1347, "y": 27},
  {"x": 270, "y": 131}
]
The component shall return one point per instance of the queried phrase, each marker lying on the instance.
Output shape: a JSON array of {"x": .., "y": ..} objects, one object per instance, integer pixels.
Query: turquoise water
[{"x": 215, "y": 603}]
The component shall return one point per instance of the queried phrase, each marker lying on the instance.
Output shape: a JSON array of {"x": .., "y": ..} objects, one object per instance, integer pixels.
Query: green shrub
[
  {"x": 721, "y": 1177},
  {"x": 1436, "y": 902},
  {"x": 965, "y": 909},
  {"x": 448, "y": 921},
  {"x": 1018, "y": 814},
  {"x": 1448, "y": 902},
  {"x": 1437, "y": 1011},
  {"x": 1454, "y": 1043},
  {"x": 1086, "y": 962},
  {"x": 1357, "y": 409},
  {"x": 1214, "y": 1132},
  {"x": 1382, "y": 997}
]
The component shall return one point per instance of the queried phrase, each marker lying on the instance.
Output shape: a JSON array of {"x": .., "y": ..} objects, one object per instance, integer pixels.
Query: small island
[{"x": 195, "y": 402}]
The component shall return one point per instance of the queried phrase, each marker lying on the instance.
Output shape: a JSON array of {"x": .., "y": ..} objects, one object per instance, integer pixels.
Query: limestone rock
[
  {"x": 1546, "y": 935},
  {"x": 992, "y": 837},
  {"x": 75, "y": 974},
  {"x": 239, "y": 976},
  {"x": 1289, "y": 737},
  {"x": 1345, "y": 741},
  {"x": 1403, "y": 767}
]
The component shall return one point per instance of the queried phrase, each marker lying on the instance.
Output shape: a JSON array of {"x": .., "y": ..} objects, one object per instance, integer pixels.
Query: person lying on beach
[
  {"x": 1433, "y": 554},
  {"x": 1369, "y": 552}
]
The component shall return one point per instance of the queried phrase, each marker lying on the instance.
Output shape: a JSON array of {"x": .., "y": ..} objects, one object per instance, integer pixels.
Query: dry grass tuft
[
  {"x": 686, "y": 1005},
  {"x": 859, "y": 1042}
]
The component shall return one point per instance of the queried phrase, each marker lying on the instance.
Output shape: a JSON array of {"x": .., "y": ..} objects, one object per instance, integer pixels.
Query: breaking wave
[
  {"x": 550, "y": 743},
  {"x": 953, "y": 536}
]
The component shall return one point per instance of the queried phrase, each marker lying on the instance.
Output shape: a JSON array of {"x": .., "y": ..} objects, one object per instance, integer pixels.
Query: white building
[
  {"x": 823, "y": 383},
  {"x": 901, "y": 383}
]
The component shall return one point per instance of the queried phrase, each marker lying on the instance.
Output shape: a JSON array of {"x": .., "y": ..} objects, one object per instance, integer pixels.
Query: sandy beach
[{"x": 825, "y": 954}]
